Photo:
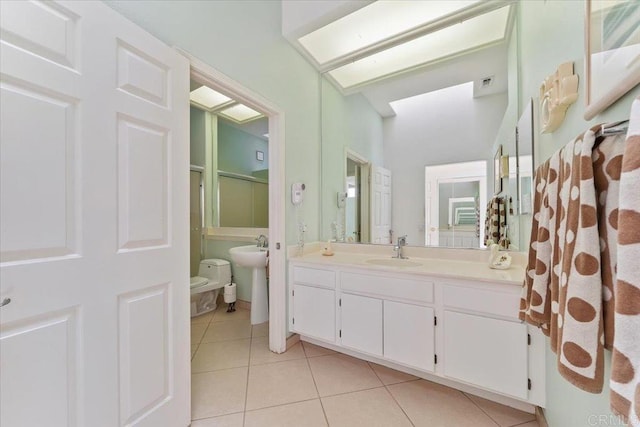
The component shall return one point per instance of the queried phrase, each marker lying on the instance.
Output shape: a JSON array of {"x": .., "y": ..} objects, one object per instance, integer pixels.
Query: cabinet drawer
[
  {"x": 314, "y": 277},
  {"x": 505, "y": 304},
  {"x": 390, "y": 287}
]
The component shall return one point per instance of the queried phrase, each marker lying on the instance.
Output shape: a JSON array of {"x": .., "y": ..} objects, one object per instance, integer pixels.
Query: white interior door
[
  {"x": 380, "y": 205},
  {"x": 94, "y": 213}
]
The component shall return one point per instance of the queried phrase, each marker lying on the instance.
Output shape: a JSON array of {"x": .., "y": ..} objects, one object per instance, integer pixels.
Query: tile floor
[{"x": 237, "y": 381}]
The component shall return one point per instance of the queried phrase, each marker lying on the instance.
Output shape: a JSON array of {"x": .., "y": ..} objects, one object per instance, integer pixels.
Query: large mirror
[{"x": 382, "y": 142}]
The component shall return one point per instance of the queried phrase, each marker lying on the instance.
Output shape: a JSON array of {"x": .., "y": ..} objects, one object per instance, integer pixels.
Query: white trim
[{"x": 277, "y": 275}]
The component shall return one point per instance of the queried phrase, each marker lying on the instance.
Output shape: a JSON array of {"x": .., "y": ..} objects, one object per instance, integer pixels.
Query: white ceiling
[{"x": 300, "y": 17}]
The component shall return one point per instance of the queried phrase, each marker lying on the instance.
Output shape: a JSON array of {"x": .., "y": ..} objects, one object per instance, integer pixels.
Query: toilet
[{"x": 213, "y": 275}]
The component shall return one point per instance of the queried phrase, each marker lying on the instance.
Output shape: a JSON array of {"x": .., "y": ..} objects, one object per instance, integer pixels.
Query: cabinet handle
[{"x": 5, "y": 302}]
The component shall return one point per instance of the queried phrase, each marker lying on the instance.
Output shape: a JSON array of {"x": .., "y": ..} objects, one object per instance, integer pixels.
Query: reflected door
[
  {"x": 94, "y": 213},
  {"x": 380, "y": 205}
]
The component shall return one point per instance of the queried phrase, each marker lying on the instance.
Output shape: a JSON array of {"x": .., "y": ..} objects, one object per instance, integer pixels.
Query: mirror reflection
[
  {"x": 454, "y": 196},
  {"x": 458, "y": 111}
]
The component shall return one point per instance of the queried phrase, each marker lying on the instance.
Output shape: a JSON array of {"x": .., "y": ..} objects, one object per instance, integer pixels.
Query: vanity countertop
[{"x": 457, "y": 265}]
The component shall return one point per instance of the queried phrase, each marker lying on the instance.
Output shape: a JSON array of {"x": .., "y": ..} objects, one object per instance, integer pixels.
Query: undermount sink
[
  {"x": 249, "y": 256},
  {"x": 394, "y": 262}
]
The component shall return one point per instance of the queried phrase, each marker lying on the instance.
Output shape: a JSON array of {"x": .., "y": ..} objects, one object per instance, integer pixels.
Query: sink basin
[
  {"x": 394, "y": 262},
  {"x": 249, "y": 256}
]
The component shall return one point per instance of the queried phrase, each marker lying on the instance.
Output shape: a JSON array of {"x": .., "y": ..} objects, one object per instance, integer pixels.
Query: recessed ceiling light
[
  {"x": 208, "y": 98},
  {"x": 474, "y": 33},
  {"x": 373, "y": 24},
  {"x": 240, "y": 113}
]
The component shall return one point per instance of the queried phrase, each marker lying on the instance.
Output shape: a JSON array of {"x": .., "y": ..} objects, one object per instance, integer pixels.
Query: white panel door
[
  {"x": 380, "y": 205},
  {"x": 94, "y": 220},
  {"x": 487, "y": 352},
  {"x": 314, "y": 312},
  {"x": 361, "y": 323},
  {"x": 409, "y": 334}
]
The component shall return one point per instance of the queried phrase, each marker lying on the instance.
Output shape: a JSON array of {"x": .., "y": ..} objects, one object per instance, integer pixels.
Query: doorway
[{"x": 206, "y": 75}]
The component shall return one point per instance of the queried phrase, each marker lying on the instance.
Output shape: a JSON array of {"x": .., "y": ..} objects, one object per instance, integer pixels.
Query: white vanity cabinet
[{"x": 462, "y": 333}]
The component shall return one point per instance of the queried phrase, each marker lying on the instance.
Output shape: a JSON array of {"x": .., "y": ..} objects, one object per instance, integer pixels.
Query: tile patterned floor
[{"x": 236, "y": 381}]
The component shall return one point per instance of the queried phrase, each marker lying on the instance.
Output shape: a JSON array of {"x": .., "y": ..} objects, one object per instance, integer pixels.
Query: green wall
[
  {"x": 552, "y": 32},
  {"x": 237, "y": 150}
]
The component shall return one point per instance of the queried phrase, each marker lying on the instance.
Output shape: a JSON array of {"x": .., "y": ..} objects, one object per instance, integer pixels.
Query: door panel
[
  {"x": 144, "y": 351},
  {"x": 48, "y": 347},
  {"x": 142, "y": 184},
  {"x": 381, "y": 205},
  {"x": 94, "y": 237},
  {"x": 48, "y": 204}
]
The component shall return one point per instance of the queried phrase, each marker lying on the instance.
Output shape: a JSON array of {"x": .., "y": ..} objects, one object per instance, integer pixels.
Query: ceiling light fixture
[
  {"x": 375, "y": 23},
  {"x": 479, "y": 31},
  {"x": 208, "y": 98},
  {"x": 240, "y": 113}
]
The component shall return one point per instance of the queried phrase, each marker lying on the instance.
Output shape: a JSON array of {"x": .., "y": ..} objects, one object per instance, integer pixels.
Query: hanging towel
[
  {"x": 607, "y": 165},
  {"x": 562, "y": 292},
  {"x": 495, "y": 225},
  {"x": 625, "y": 369}
]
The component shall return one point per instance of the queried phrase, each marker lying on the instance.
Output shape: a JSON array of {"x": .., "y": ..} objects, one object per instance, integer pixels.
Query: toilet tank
[{"x": 216, "y": 270}]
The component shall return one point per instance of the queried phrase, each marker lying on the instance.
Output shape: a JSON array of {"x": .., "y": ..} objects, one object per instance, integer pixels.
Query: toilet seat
[{"x": 202, "y": 284}]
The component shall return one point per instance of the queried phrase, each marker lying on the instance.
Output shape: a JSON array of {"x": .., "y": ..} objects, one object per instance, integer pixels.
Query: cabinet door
[
  {"x": 362, "y": 323},
  {"x": 486, "y": 352},
  {"x": 409, "y": 335},
  {"x": 314, "y": 312}
]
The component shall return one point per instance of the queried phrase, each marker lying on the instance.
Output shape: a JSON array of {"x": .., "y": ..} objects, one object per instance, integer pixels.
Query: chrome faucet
[
  {"x": 262, "y": 240},
  {"x": 402, "y": 241}
]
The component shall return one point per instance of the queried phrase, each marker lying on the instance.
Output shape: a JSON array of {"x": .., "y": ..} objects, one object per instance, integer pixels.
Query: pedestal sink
[{"x": 255, "y": 258}]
